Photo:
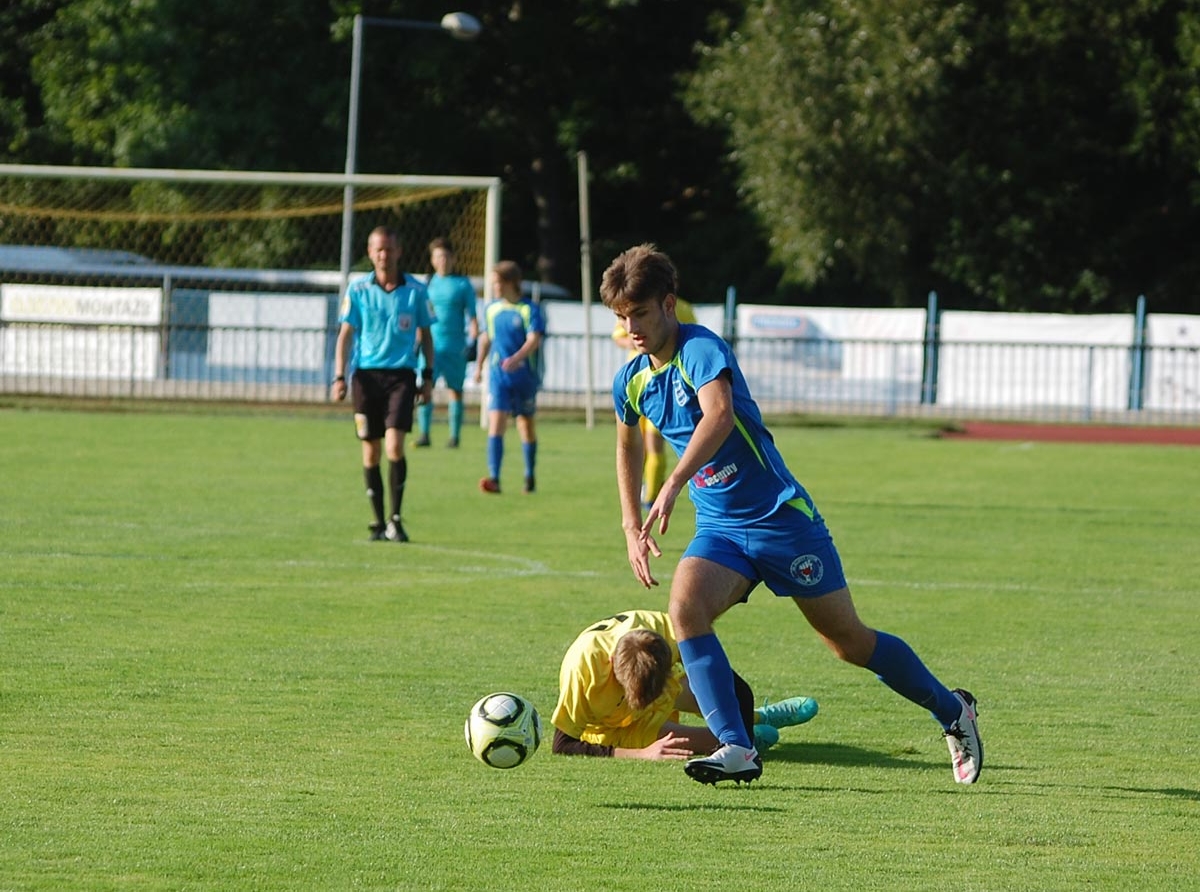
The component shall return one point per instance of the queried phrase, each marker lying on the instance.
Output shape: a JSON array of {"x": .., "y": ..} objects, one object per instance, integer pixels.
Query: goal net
[{"x": 205, "y": 283}]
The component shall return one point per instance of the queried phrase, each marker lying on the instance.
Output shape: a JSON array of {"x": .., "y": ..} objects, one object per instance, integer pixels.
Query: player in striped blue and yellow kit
[
  {"x": 510, "y": 345},
  {"x": 655, "y": 469},
  {"x": 754, "y": 521},
  {"x": 622, "y": 687}
]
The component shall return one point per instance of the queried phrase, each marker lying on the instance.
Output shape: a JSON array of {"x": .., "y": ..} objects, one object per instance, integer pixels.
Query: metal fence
[{"x": 189, "y": 358}]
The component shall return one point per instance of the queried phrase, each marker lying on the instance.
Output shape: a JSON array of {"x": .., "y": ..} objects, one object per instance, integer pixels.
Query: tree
[
  {"x": 23, "y": 130},
  {"x": 231, "y": 85},
  {"x": 547, "y": 80},
  {"x": 1016, "y": 155},
  {"x": 169, "y": 83}
]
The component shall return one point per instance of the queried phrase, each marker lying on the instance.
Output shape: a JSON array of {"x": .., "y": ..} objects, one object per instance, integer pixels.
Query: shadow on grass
[
  {"x": 1173, "y": 792},
  {"x": 842, "y": 755},
  {"x": 1036, "y": 789},
  {"x": 693, "y": 807}
]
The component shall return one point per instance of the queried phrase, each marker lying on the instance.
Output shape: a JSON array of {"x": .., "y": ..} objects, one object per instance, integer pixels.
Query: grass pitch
[{"x": 209, "y": 679}]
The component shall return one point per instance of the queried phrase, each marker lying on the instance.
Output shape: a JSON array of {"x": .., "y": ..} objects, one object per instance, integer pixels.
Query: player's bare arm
[
  {"x": 669, "y": 747},
  {"x": 630, "y": 455},
  {"x": 483, "y": 347},
  {"x": 426, "y": 339},
  {"x": 532, "y": 341},
  {"x": 341, "y": 353},
  {"x": 714, "y": 427}
]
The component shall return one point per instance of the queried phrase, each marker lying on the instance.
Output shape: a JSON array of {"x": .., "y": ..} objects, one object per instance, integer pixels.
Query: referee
[{"x": 385, "y": 318}]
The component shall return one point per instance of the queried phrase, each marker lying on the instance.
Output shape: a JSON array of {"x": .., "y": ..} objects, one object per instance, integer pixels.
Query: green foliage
[
  {"x": 23, "y": 131},
  {"x": 1014, "y": 155},
  {"x": 1019, "y": 155},
  {"x": 164, "y": 83},
  {"x": 823, "y": 103},
  {"x": 604, "y": 77},
  {"x": 209, "y": 679}
]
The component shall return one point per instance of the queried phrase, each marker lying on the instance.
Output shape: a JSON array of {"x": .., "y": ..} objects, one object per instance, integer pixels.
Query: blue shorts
[
  {"x": 514, "y": 394},
  {"x": 794, "y": 556}
]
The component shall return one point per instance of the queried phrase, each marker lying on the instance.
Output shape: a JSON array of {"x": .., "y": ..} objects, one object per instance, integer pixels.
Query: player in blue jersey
[
  {"x": 453, "y": 299},
  {"x": 385, "y": 319},
  {"x": 509, "y": 345},
  {"x": 754, "y": 521}
]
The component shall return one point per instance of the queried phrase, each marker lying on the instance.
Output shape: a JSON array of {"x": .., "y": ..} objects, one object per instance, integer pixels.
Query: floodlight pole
[{"x": 459, "y": 25}]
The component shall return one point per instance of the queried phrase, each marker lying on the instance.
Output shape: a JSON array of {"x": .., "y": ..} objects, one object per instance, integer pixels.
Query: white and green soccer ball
[{"x": 503, "y": 730}]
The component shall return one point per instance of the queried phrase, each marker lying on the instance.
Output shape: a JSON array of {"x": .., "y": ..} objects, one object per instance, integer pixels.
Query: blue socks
[
  {"x": 898, "y": 667},
  {"x": 894, "y": 662},
  {"x": 711, "y": 679},
  {"x": 455, "y": 410},
  {"x": 530, "y": 452},
  {"x": 495, "y": 455}
]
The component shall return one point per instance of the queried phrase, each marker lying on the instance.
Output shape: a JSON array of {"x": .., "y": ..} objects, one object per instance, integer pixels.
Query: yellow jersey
[{"x": 591, "y": 703}]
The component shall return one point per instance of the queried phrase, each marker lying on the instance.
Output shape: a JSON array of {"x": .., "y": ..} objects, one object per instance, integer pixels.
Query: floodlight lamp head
[{"x": 461, "y": 25}]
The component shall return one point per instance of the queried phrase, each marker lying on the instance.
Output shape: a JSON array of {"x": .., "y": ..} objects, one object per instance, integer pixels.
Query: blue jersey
[
  {"x": 385, "y": 322},
  {"x": 746, "y": 480},
  {"x": 453, "y": 300},
  {"x": 507, "y": 325}
]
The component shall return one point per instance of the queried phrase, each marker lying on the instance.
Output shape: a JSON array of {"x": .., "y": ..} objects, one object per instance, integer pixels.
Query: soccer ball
[{"x": 503, "y": 730}]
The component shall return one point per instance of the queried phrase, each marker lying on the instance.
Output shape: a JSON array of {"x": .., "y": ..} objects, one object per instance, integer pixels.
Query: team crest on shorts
[{"x": 807, "y": 569}]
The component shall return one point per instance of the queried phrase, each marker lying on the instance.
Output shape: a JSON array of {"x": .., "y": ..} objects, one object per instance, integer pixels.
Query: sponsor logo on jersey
[
  {"x": 709, "y": 475},
  {"x": 807, "y": 569},
  {"x": 681, "y": 396}
]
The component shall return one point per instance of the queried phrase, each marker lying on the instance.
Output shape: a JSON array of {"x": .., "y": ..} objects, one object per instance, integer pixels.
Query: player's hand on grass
[{"x": 667, "y": 748}]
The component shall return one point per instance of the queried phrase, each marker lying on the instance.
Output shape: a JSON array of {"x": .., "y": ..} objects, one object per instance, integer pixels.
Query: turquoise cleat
[
  {"x": 765, "y": 737},
  {"x": 785, "y": 713}
]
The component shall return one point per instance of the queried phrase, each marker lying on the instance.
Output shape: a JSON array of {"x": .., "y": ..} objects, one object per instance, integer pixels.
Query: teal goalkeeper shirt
[
  {"x": 385, "y": 323},
  {"x": 453, "y": 300}
]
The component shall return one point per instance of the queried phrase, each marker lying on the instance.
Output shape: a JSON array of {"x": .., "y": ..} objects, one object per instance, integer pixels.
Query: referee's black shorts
[{"x": 383, "y": 398}]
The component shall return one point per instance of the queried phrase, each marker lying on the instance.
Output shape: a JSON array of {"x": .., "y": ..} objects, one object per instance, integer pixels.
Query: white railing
[{"x": 292, "y": 362}]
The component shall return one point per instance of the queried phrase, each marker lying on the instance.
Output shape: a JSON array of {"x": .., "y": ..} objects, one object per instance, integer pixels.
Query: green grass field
[{"x": 209, "y": 679}]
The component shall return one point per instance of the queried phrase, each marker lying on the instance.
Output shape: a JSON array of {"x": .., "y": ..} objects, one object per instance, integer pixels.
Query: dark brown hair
[{"x": 639, "y": 275}]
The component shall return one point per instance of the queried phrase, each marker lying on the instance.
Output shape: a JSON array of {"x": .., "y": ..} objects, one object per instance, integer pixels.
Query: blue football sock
[
  {"x": 495, "y": 455},
  {"x": 455, "y": 411},
  {"x": 711, "y": 680},
  {"x": 424, "y": 418},
  {"x": 898, "y": 667},
  {"x": 530, "y": 451}
]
